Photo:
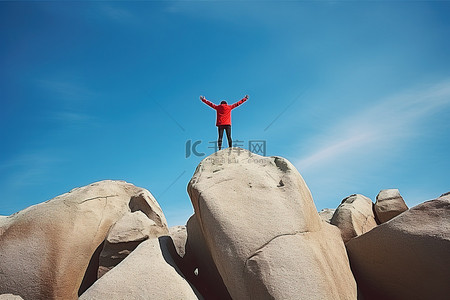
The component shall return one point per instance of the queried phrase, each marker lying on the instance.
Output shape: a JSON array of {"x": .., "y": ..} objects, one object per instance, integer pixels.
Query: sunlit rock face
[
  {"x": 354, "y": 216},
  {"x": 407, "y": 257},
  {"x": 389, "y": 204},
  {"x": 51, "y": 250},
  {"x": 263, "y": 230}
]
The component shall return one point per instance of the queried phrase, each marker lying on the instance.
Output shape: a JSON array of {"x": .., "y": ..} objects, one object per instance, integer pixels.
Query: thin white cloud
[
  {"x": 71, "y": 117},
  {"x": 335, "y": 149},
  {"x": 395, "y": 118},
  {"x": 64, "y": 90},
  {"x": 27, "y": 169},
  {"x": 117, "y": 14},
  {"x": 67, "y": 98}
]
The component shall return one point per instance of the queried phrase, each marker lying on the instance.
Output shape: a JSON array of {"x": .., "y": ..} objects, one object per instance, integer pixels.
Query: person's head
[{"x": 223, "y": 102}]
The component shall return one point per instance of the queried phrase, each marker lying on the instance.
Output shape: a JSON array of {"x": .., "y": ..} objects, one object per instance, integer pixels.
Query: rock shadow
[
  {"x": 90, "y": 276},
  {"x": 171, "y": 256}
]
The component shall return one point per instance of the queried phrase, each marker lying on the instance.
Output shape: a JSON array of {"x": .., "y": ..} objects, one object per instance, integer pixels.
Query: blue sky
[{"x": 356, "y": 94}]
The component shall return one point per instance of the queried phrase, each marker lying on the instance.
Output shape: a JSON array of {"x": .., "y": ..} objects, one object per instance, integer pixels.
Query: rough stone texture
[
  {"x": 148, "y": 272},
  {"x": 179, "y": 237},
  {"x": 10, "y": 297},
  {"x": 407, "y": 257},
  {"x": 50, "y": 250},
  {"x": 3, "y": 223},
  {"x": 263, "y": 231},
  {"x": 124, "y": 236},
  {"x": 134, "y": 226},
  {"x": 389, "y": 204},
  {"x": 354, "y": 216},
  {"x": 326, "y": 214}
]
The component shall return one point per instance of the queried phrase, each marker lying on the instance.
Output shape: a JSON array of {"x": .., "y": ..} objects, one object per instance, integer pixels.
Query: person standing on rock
[{"x": 223, "y": 119}]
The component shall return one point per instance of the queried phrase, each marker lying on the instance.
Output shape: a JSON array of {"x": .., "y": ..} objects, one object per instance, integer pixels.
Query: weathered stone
[
  {"x": 407, "y": 257},
  {"x": 3, "y": 224},
  {"x": 50, "y": 250},
  {"x": 149, "y": 272},
  {"x": 389, "y": 204},
  {"x": 10, "y": 297},
  {"x": 179, "y": 237},
  {"x": 124, "y": 236},
  {"x": 263, "y": 231},
  {"x": 354, "y": 216},
  {"x": 326, "y": 214},
  {"x": 134, "y": 227}
]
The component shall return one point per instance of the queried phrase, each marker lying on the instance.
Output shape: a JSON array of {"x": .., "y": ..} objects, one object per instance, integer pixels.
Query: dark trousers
[{"x": 228, "y": 131}]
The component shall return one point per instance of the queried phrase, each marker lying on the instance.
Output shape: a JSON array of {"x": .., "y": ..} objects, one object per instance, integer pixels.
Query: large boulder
[
  {"x": 263, "y": 231},
  {"x": 51, "y": 250},
  {"x": 407, "y": 257},
  {"x": 389, "y": 204},
  {"x": 149, "y": 272},
  {"x": 354, "y": 216}
]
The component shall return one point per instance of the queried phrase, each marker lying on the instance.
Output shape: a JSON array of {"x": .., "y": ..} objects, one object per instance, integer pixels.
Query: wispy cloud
[
  {"x": 67, "y": 99},
  {"x": 65, "y": 90},
  {"x": 27, "y": 169},
  {"x": 117, "y": 14},
  {"x": 71, "y": 117},
  {"x": 393, "y": 118}
]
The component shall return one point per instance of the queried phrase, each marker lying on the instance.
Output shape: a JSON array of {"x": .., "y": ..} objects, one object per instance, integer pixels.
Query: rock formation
[
  {"x": 149, "y": 272},
  {"x": 354, "y": 216},
  {"x": 263, "y": 231},
  {"x": 255, "y": 234},
  {"x": 51, "y": 250},
  {"x": 179, "y": 237},
  {"x": 125, "y": 235},
  {"x": 326, "y": 214},
  {"x": 389, "y": 204},
  {"x": 407, "y": 257}
]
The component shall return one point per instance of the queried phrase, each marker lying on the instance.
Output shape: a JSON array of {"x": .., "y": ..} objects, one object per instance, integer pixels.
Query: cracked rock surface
[
  {"x": 266, "y": 238},
  {"x": 47, "y": 250}
]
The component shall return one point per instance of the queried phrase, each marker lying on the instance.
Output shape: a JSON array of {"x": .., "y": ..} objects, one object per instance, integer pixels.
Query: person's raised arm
[
  {"x": 208, "y": 102},
  {"x": 239, "y": 102}
]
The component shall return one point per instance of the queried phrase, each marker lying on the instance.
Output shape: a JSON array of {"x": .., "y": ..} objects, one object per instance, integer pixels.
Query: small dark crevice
[
  {"x": 375, "y": 215},
  {"x": 95, "y": 198},
  {"x": 281, "y": 164}
]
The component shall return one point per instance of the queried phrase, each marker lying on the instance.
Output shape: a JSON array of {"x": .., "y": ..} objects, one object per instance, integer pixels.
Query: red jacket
[{"x": 224, "y": 111}]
